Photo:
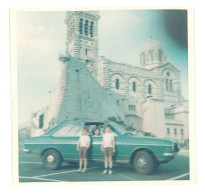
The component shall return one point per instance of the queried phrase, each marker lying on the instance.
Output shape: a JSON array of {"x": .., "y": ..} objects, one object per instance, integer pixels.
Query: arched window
[
  {"x": 143, "y": 58},
  {"x": 134, "y": 87},
  {"x": 167, "y": 85},
  {"x": 41, "y": 121},
  {"x": 117, "y": 84},
  {"x": 169, "y": 81},
  {"x": 151, "y": 56},
  {"x": 160, "y": 55},
  {"x": 170, "y": 85},
  {"x": 150, "y": 89},
  {"x": 86, "y": 51}
]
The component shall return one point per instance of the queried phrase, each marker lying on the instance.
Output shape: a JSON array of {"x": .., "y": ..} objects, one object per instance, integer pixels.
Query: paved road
[{"x": 31, "y": 170}]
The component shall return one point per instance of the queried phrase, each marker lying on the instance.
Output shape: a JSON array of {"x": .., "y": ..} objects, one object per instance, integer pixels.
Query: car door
[
  {"x": 118, "y": 147},
  {"x": 66, "y": 138},
  {"x": 95, "y": 152}
]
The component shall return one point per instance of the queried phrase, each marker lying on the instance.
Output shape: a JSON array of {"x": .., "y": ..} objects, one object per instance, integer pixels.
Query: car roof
[
  {"x": 94, "y": 123},
  {"x": 86, "y": 122}
]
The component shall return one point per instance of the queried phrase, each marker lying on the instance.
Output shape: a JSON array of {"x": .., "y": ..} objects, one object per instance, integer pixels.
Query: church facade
[{"x": 147, "y": 97}]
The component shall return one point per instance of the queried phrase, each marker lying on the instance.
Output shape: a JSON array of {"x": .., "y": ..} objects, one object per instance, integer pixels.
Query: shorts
[
  {"x": 108, "y": 151},
  {"x": 83, "y": 152}
]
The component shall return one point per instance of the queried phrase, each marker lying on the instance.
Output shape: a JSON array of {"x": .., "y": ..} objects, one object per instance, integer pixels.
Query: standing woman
[{"x": 96, "y": 132}]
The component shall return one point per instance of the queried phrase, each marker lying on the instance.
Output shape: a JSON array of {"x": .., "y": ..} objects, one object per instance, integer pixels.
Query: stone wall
[{"x": 79, "y": 95}]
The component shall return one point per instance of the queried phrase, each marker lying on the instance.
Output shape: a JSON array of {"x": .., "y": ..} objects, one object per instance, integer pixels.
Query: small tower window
[
  {"x": 86, "y": 28},
  {"x": 168, "y": 73},
  {"x": 134, "y": 86},
  {"x": 91, "y": 29},
  {"x": 150, "y": 89},
  {"x": 182, "y": 131},
  {"x": 168, "y": 131},
  {"x": 86, "y": 51},
  {"x": 117, "y": 84},
  {"x": 81, "y": 26}
]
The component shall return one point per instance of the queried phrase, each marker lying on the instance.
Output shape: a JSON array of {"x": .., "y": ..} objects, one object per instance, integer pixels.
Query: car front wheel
[
  {"x": 51, "y": 159},
  {"x": 143, "y": 162}
]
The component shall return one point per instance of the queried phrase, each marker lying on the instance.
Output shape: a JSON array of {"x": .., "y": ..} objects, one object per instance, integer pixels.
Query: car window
[
  {"x": 92, "y": 127},
  {"x": 76, "y": 131},
  {"x": 101, "y": 128},
  {"x": 70, "y": 129}
]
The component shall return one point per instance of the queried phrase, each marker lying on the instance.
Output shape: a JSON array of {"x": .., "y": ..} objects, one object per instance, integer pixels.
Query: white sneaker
[
  {"x": 83, "y": 171},
  {"x": 104, "y": 172},
  {"x": 79, "y": 170},
  {"x": 110, "y": 172}
]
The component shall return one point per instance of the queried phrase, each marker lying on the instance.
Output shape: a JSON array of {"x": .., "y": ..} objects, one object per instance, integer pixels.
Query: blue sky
[{"x": 41, "y": 35}]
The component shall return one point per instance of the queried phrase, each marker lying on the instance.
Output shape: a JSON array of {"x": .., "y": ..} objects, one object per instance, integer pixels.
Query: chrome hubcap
[
  {"x": 142, "y": 162},
  {"x": 50, "y": 158}
]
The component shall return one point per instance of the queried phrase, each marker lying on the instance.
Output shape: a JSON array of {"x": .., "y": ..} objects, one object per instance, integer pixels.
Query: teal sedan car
[{"x": 60, "y": 144}]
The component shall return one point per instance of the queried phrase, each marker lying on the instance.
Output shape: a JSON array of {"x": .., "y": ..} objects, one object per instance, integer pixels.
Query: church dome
[
  {"x": 152, "y": 54},
  {"x": 152, "y": 45}
]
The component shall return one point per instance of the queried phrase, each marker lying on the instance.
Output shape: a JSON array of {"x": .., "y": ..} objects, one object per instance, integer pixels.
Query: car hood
[
  {"x": 148, "y": 140},
  {"x": 34, "y": 139}
]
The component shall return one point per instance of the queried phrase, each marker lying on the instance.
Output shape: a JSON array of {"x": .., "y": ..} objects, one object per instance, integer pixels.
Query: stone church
[{"x": 147, "y": 97}]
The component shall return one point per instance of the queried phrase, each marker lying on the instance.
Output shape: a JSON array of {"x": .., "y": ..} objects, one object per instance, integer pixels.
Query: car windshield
[
  {"x": 70, "y": 129},
  {"x": 118, "y": 128},
  {"x": 53, "y": 129}
]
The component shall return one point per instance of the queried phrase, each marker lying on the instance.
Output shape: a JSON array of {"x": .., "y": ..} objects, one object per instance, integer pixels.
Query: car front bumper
[
  {"x": 26, "y": 150},
  {"x": 169, "y": 154}
]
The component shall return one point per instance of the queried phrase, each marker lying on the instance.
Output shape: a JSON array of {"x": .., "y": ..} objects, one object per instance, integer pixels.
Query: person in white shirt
[
  {"x": 82, "y": 147},
  {"x": 108, "y": 148}
]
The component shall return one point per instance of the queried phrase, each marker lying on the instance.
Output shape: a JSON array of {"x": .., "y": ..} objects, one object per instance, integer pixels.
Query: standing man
[
  {"x": 82, "y": 147},
  {"x": 108, "y": 148}
]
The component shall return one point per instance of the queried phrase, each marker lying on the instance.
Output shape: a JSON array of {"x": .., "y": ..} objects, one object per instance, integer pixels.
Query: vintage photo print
[{"x": 102, "y": 95}]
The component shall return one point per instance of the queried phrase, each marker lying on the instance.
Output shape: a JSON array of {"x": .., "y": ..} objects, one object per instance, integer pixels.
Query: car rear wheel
[
  {"x": 51, "y": 159},
  {"x": 143, "y": 162}
]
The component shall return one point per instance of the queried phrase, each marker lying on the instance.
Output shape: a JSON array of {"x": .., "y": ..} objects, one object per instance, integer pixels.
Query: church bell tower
[{"x": 82, "y": 34}]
